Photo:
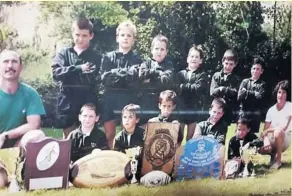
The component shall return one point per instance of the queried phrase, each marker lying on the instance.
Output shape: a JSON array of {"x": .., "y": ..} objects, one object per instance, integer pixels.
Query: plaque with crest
[
  {"x": 160, "y": 147},
  {"x": 47, "y": 164}
]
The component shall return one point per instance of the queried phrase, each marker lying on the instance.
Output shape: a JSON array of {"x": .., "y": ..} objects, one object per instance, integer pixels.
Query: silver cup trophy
[
  {"x": 250, "y": 154},
  {"x": 133, "y": 153},
  {"x": 10, "y": 161},
  {"x": 245, "y": 157},
  {"x": 255, "y": 157}
]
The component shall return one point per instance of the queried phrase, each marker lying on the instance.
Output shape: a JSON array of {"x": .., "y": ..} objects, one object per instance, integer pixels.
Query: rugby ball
[
  {"x": 155, "y": 178},
  {"x": 100, "y": 169}
]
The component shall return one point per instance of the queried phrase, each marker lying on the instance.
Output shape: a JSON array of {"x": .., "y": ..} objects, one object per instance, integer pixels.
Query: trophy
[
  {"x": 245, "y": 156},
  {"x": 10, "y": 159},
  {"x": 240, "y": 149},
  {"x": 133, "y": 153},
  {"x": 255, "y": 156}
]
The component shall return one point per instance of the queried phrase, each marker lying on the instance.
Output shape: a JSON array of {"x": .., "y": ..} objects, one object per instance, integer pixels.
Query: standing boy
[
  {"x": 251, "y": 95},
  {"x": 155, "y": 75},
  {"x": 76, "y": 70},
  {"x": 192, "y": 83},
  {"x": 225, "y": 85},
  {"x": 119, "y": 75},
  {"x": 87, "y": 137}
]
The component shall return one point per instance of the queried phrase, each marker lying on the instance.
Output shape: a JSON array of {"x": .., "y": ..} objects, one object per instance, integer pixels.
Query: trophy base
[
  {"x": 253, "y": 174},
  {"x": 134, "y": 180},
  {"x": 245, "y": 173},
  {"x": 14, "y": 186}
]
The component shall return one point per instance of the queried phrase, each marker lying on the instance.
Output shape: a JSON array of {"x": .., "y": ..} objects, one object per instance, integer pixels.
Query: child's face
[
  {"x": 81, "y": 37},
  {"x": 129, "y": 120},
  {"x": 216, "y": 113},
  {"x": 166, "y": 108},
  {"x": 256, "y": 71},
  {"x": 125, "y": 38},
  {"x": 228, "y": 66},
  {"x": 194, "y": 60},
  {"x": 241, "y": 130},
  {"x": 159, "y": 51},
  {"x": 281, "y": 96},
  {"x": 88, "y": 118}
]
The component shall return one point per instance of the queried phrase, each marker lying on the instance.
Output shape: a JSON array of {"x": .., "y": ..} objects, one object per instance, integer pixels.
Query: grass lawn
[{"x": 269, "y": 183}]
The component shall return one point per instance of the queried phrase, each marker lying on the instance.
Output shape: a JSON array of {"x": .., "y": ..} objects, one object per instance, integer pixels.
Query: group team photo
[{"x": 164, "y": 93}]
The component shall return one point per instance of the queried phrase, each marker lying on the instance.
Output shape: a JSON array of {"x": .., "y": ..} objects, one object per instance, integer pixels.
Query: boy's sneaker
[{"x": 276, "y": 165}]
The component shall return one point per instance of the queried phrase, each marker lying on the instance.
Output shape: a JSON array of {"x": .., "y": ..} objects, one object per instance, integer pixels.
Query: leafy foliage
[
  {"x": 184, "y": 24},
  {"x": 241, "y": 30},
  {"x": 104, "y": 16},
  {"x": 247, "y": 27}
]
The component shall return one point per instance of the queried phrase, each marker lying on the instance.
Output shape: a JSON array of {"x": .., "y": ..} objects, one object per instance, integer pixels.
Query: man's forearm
[
  {"x": 21, "y": 130},
  {"x": 267, "y": 131}
]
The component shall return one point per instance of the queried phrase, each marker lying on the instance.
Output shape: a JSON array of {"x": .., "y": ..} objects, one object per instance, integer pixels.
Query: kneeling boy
[
  {"x": 167, "y": 103},
  {"x": 87, "y": 137},
  {"x": 132, "y": 135}
]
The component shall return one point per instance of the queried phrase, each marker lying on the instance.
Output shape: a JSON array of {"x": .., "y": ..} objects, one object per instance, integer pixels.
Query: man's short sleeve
[
  {"x": 34, "y": 103},
  {"x": 269, "y": 116}
]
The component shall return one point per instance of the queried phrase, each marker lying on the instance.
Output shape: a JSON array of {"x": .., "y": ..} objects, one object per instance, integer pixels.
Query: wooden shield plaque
[
  {"x": 160, "y": 147},
  {"x": 47, "y": 164},
  {"x": 100, "y": 169},
  {"x": 199, "y": 158}
]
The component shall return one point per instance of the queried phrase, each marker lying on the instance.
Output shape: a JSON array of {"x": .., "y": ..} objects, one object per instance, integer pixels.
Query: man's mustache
[{"x": 10, "y": 69}]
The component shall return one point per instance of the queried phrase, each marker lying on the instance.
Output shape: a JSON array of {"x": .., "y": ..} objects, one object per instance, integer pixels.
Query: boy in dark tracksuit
[
  {"x": 251, "y": 95},
  {"x": 155, "y": 75},
  {"x": 215, "y": 125},
  {"x": 243, "y": 137},
  {"x": 87, "y": 137},
  {"x": 119, "y": 75},
  {"x": 225, "y": 85},
  {"x": 76, "y": 71},
  {"x": 131, "y": 136},
  {"x": 242, "y": 134},
  {"x": 192, "y": 88},
  {"x": 167, "y": 103}
]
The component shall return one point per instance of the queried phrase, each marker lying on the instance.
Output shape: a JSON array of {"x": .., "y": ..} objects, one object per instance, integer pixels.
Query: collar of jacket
[
  {"x": 159, "y": 63},
  {"x": 199, "y": 68},
  {"x": 80, "y": 133},
  {"x": 220, "y": 122},
  {"x": 165, "y": 119},
  {"x": 127, "y": 55},
  {"x": 87, "y": 49},
  {"x": 227, "y": 74},
  {"x": 257, "y": 81}
]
